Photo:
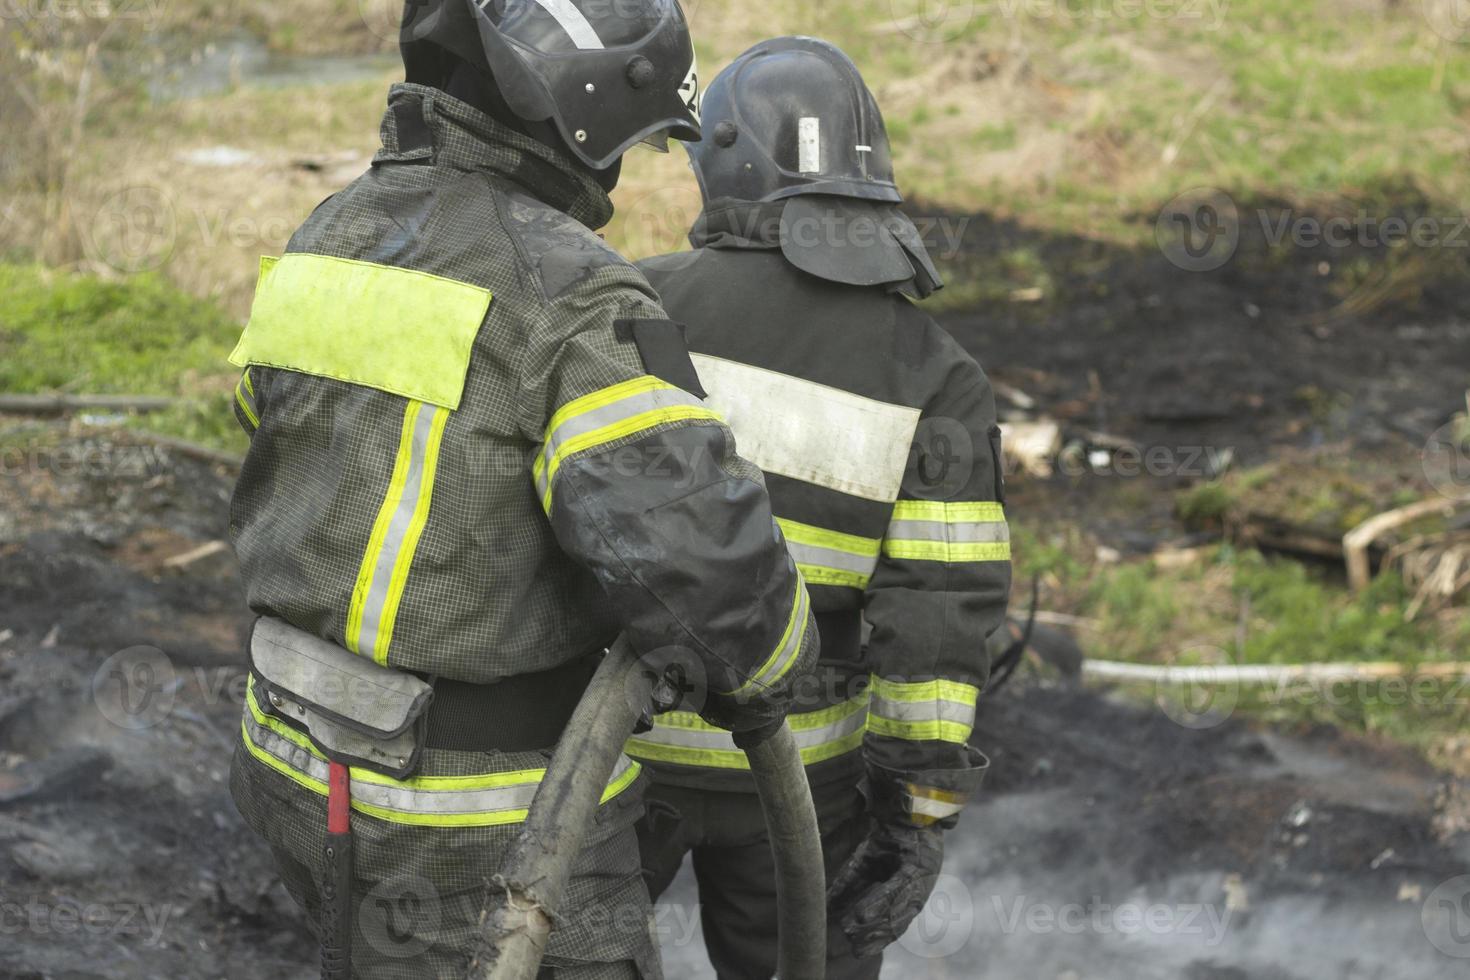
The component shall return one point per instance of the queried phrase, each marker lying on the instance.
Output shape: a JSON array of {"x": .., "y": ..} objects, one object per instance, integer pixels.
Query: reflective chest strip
[
  {"x": 936, "y": 710},
  {"x": 683, "y": 738},
  {"x": 932, "y": 530},
  {"x": 812, "y": 432},
  {"x": 830, "y": 557},
  {"x": 489, "y": 800},
  {"x": 605, "y": 416},
  {"x": 383, "y": 574}
]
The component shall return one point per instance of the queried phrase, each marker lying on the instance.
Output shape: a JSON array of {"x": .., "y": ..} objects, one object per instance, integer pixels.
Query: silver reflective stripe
[
  {"x": 925, "y": 807},
  {"x": 790, "y": 648},
  {"x": 574, "y": 22},
  {"x": 921, "y": 711},
  {"x": 377, "y": 597},
  {"x": 966, "y": 532},
  {"x": 402, "y": 798},
  {"x": 618, "y": 411},
  {"x": 846, "y": 561}
]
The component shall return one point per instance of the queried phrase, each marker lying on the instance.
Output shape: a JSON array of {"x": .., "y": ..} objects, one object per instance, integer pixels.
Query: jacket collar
[
  {"x": 425, "y": 124},
  {"x": 727, "y": 223}
]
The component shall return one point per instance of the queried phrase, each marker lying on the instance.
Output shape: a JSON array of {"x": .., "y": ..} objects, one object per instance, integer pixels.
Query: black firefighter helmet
[
  {"x": 608, "y": 74},
  {"x": 792, "y": 120}
]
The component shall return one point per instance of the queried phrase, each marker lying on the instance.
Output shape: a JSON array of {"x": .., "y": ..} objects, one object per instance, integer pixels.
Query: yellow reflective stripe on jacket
[
  {"x": 788, "y": 649},
  {"x": 683, "y": 738},
  {"x": 405, "y": 332},
  {"x": 245, "y": 396},
  {"x": 936, "y": 710},
  {"x": 934, "y": 530},
  {"x": 383, "y": 574},
  {"x": 488, "y": 800},
  {"x": 605, "y": 416},
  {"x": 831, "y": 557}
]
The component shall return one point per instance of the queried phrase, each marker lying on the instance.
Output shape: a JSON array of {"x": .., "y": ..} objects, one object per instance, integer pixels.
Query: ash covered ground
[{"x": 1111, "y": 842}]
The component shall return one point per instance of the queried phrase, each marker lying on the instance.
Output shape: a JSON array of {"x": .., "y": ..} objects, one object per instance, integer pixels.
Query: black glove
[{"x": 884, "y": 885}]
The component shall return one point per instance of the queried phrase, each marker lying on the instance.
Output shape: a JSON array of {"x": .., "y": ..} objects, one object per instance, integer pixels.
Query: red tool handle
[{"x": 337, "y": 877}]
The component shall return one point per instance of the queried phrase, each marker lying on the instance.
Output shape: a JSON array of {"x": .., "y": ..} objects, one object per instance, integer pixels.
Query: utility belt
[{"x": 360, "y": 713}]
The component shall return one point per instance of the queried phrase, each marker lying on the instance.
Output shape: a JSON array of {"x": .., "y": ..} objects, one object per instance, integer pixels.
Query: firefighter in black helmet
[
  {"x": 878, "y": 438},
  {"x": 479, "y": 452}
]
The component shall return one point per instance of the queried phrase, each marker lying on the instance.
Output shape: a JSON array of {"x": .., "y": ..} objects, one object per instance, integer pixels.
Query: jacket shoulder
[{"x": 562, "y": 254}]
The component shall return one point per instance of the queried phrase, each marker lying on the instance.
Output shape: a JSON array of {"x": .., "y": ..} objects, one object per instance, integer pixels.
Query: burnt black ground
[
  {"x": 1258, "y": 853},
  {"x": 1096, "y": 810}
]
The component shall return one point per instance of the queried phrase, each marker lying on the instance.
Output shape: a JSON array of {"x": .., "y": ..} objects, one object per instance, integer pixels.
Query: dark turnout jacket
[
  {"x": 456, "y": 402},
  {"x": 878, "y": 438}
]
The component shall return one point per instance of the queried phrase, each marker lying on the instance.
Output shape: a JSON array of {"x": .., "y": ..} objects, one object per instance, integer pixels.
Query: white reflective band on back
[
  {"x": 574, "y": 22},
  {"x": 809, "y": 138},
  {"x": 811, "y": 432}
]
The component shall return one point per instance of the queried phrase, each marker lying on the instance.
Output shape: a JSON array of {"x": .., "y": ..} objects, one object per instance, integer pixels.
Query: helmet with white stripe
[
  {"x": 789, "y": 117},
  {"x": 608, "y": 74}
]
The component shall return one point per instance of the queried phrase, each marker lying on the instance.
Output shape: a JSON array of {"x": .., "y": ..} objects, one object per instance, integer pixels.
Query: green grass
[
  {"x": 79, "y": 334},
  {"x": 1242, "y": 607}
]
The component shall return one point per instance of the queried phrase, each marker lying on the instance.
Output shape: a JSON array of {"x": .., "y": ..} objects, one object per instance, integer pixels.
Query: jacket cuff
[{"x": 925, "y": 798}]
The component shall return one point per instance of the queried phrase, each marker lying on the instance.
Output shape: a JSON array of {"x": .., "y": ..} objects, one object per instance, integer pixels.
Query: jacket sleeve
[
  {"x": 643, "y": 486},
  {"x": 939, "y": 590}
]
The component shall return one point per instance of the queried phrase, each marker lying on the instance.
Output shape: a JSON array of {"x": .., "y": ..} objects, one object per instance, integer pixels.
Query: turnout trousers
[
  {"x": 419, "y": 888},
  {"x": 725, "y": 834}
]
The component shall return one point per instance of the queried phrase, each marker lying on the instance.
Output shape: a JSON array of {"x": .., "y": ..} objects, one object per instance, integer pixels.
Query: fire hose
[{"x": 535, "y": 872}]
